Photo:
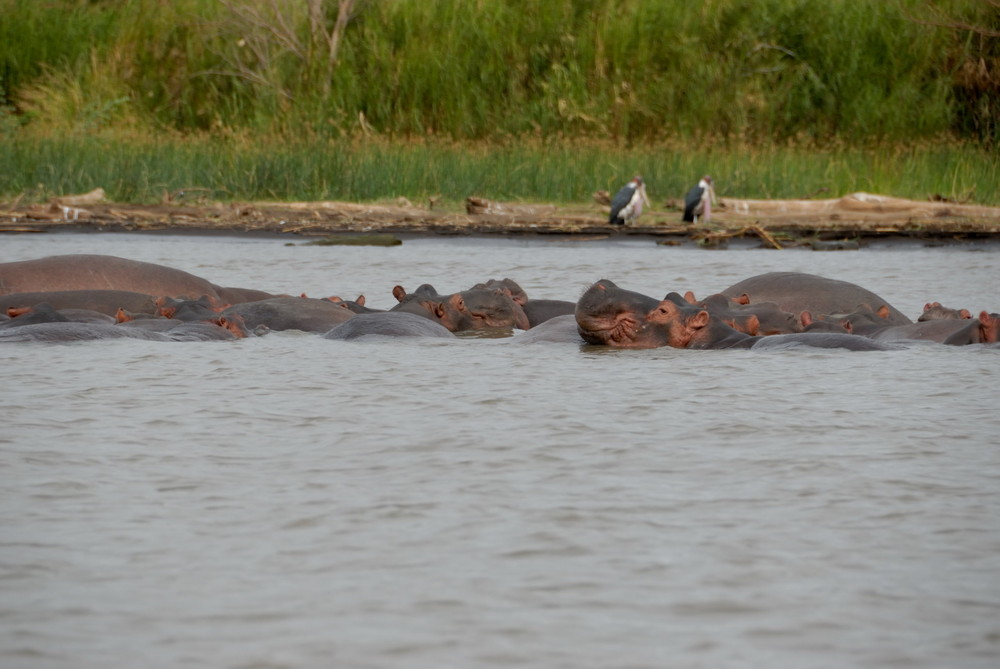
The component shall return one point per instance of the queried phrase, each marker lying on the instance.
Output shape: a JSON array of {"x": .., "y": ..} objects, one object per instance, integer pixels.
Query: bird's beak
[{"x": 645, "y": 198}]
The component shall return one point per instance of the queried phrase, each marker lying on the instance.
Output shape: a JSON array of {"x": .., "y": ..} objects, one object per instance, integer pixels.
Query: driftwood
[
  {"x": 478, "y": 205},
  {"x": 857, "y": 206},
  {"x": 95, "y": 196}
]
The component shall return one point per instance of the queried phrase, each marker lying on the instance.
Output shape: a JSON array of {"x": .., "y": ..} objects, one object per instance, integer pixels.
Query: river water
[{"x": 290, "y": 501}]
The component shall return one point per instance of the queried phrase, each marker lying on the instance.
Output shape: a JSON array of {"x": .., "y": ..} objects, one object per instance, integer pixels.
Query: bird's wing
[
  {"x": 693, "y": 197},
  {"x": 621, "y": 199}
]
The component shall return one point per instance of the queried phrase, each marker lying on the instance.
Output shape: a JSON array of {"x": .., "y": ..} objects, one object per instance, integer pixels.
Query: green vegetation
[
  {"x": 544, "y": 100},
  {"x": 142, "y": 171}
]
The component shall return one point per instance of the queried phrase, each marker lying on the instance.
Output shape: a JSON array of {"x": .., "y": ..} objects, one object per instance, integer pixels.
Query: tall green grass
[
  {"x": 137, "y": 170},
  {"x": 631, "y": 70}
]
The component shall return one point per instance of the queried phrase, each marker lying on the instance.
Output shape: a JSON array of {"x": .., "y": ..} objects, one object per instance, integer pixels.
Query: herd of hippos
[{"x": 86, "y": 297}]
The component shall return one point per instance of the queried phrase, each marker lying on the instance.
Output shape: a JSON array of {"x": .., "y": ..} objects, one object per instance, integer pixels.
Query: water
[{"x": 290, "y": 501}]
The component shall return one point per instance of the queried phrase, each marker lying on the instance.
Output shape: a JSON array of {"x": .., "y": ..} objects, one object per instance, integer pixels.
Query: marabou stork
[
  {"x": 627, "y": 203},
  {"x": 698, "y": 201}
]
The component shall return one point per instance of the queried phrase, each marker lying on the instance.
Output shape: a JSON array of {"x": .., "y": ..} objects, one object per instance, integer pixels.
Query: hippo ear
[
  {"x": 360, "y": 301},
  {"x": 846, "y": 324},
  {"x": 806, "y": 319},
  {"x": 743, "y": 299},
  {"x": 436, "y": 308},
  {"x": 964, "y": 313},
  {"x": 399, "y": 293},
  {"x": 699, "y": 320},
  {"x": 883, "y": 312},
  {"x": 989, "y": 327},
  {"x": 690, "y": 298}
]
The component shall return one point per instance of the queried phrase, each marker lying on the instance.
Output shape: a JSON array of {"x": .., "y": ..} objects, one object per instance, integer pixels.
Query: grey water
[{"x": 290, "y": 501}]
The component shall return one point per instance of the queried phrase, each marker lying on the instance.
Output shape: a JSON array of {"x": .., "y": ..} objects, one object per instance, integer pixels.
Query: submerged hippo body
[
  {"x": 540, "y": 311},
  {"x": 388, "y": 324},
  {"x": 557, "y": 330},
  {"x": 78, "y": 272},
  {"x": 67, "y": 332},
  {"x": 44, "y": 313},
  {"x": 796, "y": 292},
  {"x": 290, "y": 313},
  {"x": 75, "y": 331},
  {"x": 820, "y": 340},
  {"x": 86, "y": 272},
  {"x": 103, "y": 301}
]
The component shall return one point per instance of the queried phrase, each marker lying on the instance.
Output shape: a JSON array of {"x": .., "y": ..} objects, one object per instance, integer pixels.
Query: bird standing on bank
[
  {"x": 627, "y": 203},
  {"x": 699, "y": 200}
]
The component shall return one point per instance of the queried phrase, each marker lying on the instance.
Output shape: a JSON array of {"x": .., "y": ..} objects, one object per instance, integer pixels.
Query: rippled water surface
[{"x": 289, "y": 501}]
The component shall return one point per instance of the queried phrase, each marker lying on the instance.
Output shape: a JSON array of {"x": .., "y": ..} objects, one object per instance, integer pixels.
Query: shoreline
[{"x": 848, "y": 220}]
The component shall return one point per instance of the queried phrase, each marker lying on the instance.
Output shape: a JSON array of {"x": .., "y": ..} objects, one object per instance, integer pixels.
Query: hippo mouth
[
  {"x": 486, "y": 320},
  {"x": 618, "y": 331}
]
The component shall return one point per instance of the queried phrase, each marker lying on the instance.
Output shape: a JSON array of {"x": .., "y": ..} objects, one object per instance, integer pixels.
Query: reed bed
[
  {"x": 535, "y": 100},
  {"x": 768, "y": 70},
  {"x": 132, "y": 170}
]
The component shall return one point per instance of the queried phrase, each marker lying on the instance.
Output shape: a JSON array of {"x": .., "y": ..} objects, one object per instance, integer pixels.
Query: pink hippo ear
[
  {"x": 806, "y": 319},
  {"x": 360, "y": 301},
  {"x": 743, "y": 299},
  {"x": 399, "y": 293},
  {"x": 883, "y": 312},
  {"x": 690, "y": 298},
  {"x": 699, "y": 320},
  {"x": 989, "y": 327}
]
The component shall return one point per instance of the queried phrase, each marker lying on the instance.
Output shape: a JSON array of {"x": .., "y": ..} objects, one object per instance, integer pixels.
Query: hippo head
[
  {"x": 611, "y": 316},
  {"x": 480, "y": 309}
]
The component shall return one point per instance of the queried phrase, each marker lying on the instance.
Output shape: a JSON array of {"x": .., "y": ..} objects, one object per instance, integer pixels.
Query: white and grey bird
[
  {"x": 699, "y": 200},
  {"x": 627, "y": 203}
]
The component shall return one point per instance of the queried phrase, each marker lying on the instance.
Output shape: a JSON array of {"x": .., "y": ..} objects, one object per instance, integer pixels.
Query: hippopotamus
[
  {"x": 89, "y": 271},
  {"x": 44, "y": 313},
  {"x": 357, "y": 306},
  {"x": 728, "y": 310},
  {"x": 204, "y": 308},
  {"x": 952, "y": 331},
  {"x": 82, "y": 272},
  {"x": 935, "y": 311},
  {"x": 74, "y": 331},
  {"x": 290, "y": 313},
  {"x": 558, "y": 329},
  {"x": 537, "y": 310},
  {"x": 612, "y": 316},
  {"x": 478, "y": 308},
  {"x": 104, "y": 301},
  {"x": 540, "y": 311},
  {"x": 507, "y": 286},
  {"x": 796, "y": 292},
  {"x": 388, "y": 324}
]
